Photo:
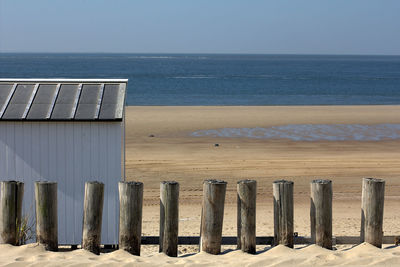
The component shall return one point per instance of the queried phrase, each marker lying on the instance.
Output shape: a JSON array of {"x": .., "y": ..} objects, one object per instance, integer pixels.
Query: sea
[{"x": 223, "y": 79}]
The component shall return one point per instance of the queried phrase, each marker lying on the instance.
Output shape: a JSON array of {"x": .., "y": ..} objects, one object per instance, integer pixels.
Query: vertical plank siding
[
  {"x": 60, "y": 171},
  {"x": 10, "y": 154},
  {"x": 69, "y": 204},
  {"x": 68, "y": 153}
]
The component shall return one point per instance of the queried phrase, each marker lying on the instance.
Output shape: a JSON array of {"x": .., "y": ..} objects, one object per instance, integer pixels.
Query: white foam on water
[
  {"x": 310, "y": 132},
  {"x": 152, "y": 57},
  {"x": 195, "y": 77}
]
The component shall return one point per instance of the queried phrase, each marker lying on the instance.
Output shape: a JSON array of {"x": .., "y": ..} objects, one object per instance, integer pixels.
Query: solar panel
[
  {"x": 65, "y": 102},
  {"x": 107, "y": 111},
  {"x": 87, "y": 104},
  {"x": 111, "y": 92},
  {"x": 62, "y": 99},
  {"x": 109, "y": 103},
  {"x": 42, "y": 101},
  {"x": 18, "y": 102},
  {"x": 5, "y": 96}
]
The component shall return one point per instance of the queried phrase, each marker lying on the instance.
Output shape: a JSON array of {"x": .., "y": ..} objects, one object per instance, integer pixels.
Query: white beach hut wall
[{"x": 68, "y": 131}]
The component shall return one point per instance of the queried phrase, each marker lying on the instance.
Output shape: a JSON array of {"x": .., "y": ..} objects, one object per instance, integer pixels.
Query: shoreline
[{"x": 173, "y": 119}]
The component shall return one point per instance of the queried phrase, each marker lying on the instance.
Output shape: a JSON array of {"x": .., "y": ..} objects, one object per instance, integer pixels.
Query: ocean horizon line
[{"x": 197, "y": 53}]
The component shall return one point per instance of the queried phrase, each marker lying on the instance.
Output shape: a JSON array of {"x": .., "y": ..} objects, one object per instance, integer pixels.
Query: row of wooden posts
[{"x": 130, "y": 214}]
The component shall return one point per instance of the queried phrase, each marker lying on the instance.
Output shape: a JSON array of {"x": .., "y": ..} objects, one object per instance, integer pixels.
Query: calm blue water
[
  {"x": 310, "y": 132},
  {"x": 226, "y": 79}
]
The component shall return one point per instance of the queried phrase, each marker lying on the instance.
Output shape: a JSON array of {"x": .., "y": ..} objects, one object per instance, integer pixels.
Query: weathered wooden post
[
  {"x": 169, "y": 217},
  {"x": 20, "y": 197},
  {"x": 92, "y": 216},
  {"x": 46, "y": 214},
  {"x": 212, "y": 216},
  {"x": 321, "y": 213},
  {"x": 130, "y": 216},
  {"x": 373, "y": 194},
  {"x": 246, "y": 215},
  {"x": 12, "y": 193},
  {"x": 283, "y": 213}
]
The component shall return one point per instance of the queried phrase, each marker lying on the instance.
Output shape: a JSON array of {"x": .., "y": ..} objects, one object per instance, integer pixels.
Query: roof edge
[
  {"x": 62, "y": 80},
  {"x": 63, "y": 120}
]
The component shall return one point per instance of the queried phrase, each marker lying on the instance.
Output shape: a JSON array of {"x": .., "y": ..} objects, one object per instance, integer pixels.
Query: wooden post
[
  {"x": 246, "y": 215},
  {"x": 169, "y": 217},
  {"x": 130, "y": 216},
  {"x": 212, "y": 216},
  {"x": 12, "y": 193},
  {"x": 321, "y": 213},
  {"x": 20, "y": 197},
  {"x": 46, "y": 214},
  {"x": 92, "y": 216},
  {"x": 373, "y": 194},
  {"x": 283, "y": 213}
]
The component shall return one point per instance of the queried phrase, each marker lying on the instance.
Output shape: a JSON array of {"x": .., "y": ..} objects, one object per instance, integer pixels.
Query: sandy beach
[
  {"x": 172, "y": 154},
  {"x": 159, "y": 147}
]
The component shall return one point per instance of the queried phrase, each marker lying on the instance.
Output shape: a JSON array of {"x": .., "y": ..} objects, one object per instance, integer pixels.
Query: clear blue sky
[{"x": 201, "y": 26}]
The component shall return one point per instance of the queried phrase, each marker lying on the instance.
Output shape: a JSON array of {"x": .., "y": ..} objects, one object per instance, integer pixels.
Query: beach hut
[{"x": 69, "y": 131}]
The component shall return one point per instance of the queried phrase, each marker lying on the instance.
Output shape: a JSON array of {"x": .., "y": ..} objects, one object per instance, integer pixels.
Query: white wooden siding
[{"x": 69, "y": 153}]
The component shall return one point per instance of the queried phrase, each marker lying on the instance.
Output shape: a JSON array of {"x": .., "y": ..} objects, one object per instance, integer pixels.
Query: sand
[
  {"x": 159, "y": 147},
  {"x": 312, "y": 255},
  {"x": 172, "y": 154}
]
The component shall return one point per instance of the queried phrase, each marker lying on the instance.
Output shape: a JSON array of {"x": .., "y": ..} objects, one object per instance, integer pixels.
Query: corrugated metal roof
[{"x": 62, "y": 99}]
